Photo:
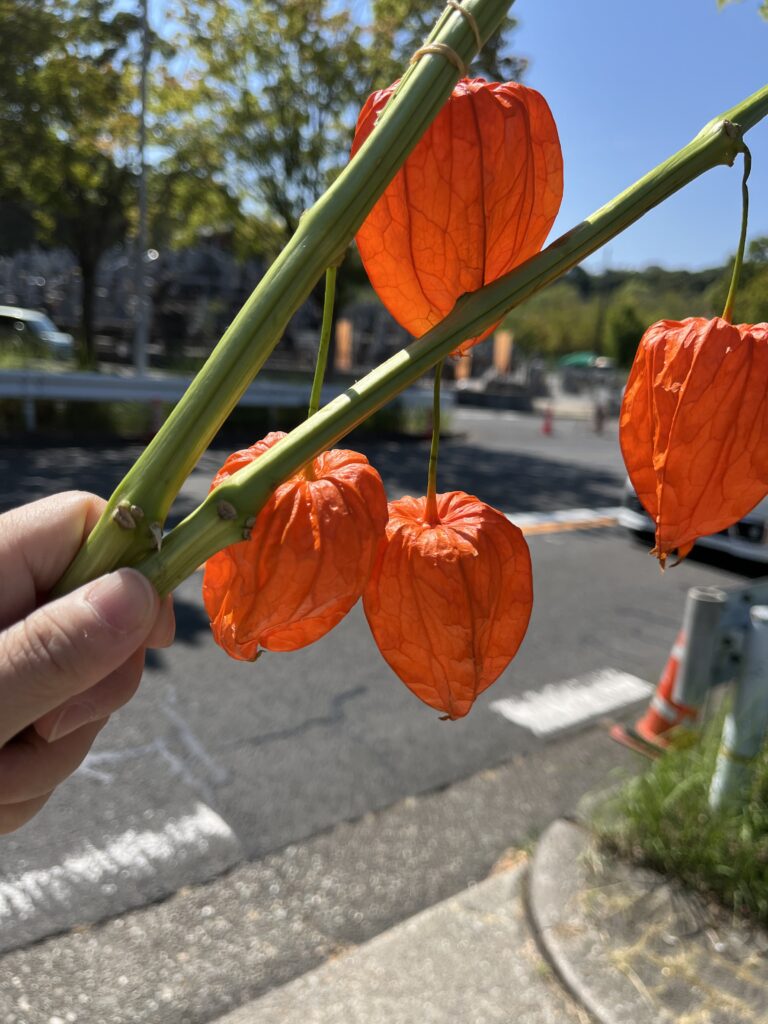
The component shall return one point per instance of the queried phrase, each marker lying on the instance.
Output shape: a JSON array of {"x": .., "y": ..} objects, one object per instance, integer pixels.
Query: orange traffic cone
[
  {"x": 649, "y": 734},
  {"x": 548, "y": 422}
]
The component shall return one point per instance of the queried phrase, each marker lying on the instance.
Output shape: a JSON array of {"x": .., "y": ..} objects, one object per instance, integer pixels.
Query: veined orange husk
[
  {"x": 309, "y": 557},
  {"x": 476, "y": 197},
  {"x": 448, "y": 604},
  {"x": 694, "y": 427}
]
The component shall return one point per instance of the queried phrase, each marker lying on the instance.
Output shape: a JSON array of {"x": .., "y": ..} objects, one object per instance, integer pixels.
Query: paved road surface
[{"x": 215, "y": 760}]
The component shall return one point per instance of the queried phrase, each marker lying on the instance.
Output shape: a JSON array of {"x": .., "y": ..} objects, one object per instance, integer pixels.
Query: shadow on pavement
[{"x": 511, "y": 481}]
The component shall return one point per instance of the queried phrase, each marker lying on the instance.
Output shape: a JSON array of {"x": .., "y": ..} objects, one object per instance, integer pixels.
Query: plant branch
[
  {"x": 191, "y": 542},
  {"x": 323, "y": 234}
]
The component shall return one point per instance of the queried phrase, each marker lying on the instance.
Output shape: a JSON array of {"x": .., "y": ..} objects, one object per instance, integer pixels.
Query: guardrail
[{"x": 31, "y": 386}]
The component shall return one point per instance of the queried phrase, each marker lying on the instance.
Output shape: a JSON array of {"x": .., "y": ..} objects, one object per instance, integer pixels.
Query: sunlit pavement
[{"x": 217, "y": 761}]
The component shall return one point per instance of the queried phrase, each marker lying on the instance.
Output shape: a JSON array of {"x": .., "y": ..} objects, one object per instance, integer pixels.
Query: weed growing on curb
[{"x": 662, "y": 820}]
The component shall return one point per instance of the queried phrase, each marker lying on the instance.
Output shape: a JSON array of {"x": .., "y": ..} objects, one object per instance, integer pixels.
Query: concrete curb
[
  {"x": 630, "y": 944},
  {"x": 470, "y": 958},
  {"x": 553, "y": 892}
]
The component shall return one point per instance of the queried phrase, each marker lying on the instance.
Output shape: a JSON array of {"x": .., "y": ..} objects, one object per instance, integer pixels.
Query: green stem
[
  {"x": 325, "y": 341},
  {"x": 737, "y": 263},
  {"x": 189, "y": 544},
  {"x": 430, "y": 511},
  {"x": 323, "y": 234}
]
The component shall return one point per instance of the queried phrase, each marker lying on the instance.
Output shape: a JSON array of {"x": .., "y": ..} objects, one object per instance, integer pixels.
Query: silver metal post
[
  {"x": 701, "y": 620},
  {"x": 141, "y": 335},
  {"x": 745, "y": 727}
]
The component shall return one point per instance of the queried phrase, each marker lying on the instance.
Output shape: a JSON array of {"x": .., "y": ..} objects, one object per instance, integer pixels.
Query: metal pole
[
  {"x": 701, "y": 620},
  {"x": 745, "y": 727},
  {"x": 141, "y": 335}
]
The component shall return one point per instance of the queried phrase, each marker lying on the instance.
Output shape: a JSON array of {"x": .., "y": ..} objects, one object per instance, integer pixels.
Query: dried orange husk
[
  {"x": 448, "y": 604},
  {"x": 308, "y": 559},
  {"x": 476, "y": 197},
  {"x": 694, "y": 427}
]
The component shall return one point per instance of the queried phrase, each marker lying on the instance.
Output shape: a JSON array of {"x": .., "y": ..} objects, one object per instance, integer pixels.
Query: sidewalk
[{"x": 571, "y": 936}]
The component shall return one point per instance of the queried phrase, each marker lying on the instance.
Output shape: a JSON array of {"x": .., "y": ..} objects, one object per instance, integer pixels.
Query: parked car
[
  {"x": 31, "y": 333},
  {"x": 747, "y": 539}
]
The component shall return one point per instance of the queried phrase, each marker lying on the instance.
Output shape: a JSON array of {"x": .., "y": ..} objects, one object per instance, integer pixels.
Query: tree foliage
[
  {"x": 623, "y": 330},
  {"x": 605, "y": 312},
  {"x": 252, "y": 108},
  {"x": 265, "y": 104},
  {"x": 271, "y": 90},
  {"x": 751, "y": 304},
  {"x": 66, "y": 115}
]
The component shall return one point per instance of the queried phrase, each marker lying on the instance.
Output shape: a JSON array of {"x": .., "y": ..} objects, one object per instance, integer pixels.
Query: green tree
[
  {"x": 557, "y": 322},
  {"x": 265, "y": 104},
  {"x": 751, "y": 304},
  {"x": 624, "y": 329},
  {"x": 66, "y": 113},
  {"x": 271, "y": 91},
  {"x": 757, "y": 250}
]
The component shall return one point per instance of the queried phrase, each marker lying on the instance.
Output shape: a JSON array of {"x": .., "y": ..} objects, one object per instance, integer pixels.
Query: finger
[
  {"x": 30, "y": 767},
  {"x": 37, "y": 543},
  {"x": 69, "y": 645},
  {"x": 13, "y": 816},
  {"x": 99, "y": 702},
  {"x": 164, "y": 629}
]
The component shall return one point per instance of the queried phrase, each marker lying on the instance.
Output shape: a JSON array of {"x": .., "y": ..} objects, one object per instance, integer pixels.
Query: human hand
[{"x": 67, "y": 665}]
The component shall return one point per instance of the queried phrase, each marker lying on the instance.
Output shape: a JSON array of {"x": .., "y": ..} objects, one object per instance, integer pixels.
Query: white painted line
[
  {"x": 574, "y": 702},
  {"x": 129, "y": 870},
  {"x": 565, "y": 516}
]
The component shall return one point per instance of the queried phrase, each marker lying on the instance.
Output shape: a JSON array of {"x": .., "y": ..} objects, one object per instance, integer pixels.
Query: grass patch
[{"x": 662, "y": 820}]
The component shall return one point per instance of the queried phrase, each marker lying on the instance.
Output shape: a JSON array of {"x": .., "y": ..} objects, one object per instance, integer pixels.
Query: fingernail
[
  {"x": 71, "y": 718},
  {"x": 124, "y": 600}
]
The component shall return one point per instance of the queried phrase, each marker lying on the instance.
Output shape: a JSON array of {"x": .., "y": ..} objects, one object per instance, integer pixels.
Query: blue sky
[{"x": 631, "y": 82}]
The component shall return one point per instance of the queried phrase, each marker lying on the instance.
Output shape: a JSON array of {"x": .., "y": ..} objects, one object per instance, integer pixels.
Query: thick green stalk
[
  {"x": 323, "y": 234},
  {"x": 203, "y": 532},
  {"x": 731, "y": 299}
]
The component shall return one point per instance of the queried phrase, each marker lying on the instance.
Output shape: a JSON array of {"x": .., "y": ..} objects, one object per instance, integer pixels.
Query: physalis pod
[
  {"x": 449, "y": 601},
  {"x": 308, "y": 558}
]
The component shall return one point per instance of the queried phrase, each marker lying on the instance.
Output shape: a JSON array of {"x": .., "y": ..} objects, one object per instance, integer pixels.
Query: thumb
[{"x": 69, "y": 645}]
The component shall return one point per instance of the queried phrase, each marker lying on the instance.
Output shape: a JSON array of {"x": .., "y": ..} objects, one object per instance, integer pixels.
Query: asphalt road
[{"x": 224, "y": 761}]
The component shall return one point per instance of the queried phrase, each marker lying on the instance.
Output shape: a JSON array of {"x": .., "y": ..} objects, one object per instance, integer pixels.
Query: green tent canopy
[{"x": 578, "y": 359}]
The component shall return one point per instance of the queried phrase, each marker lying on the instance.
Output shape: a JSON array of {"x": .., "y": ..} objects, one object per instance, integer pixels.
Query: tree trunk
[{"x": 88, "y": 289}]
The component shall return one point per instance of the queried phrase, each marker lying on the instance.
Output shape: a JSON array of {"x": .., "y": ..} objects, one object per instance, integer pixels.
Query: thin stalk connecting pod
[
  {"x": 738, "y": 261},
  {"x": 204, "y": 533},
  {"x": 430, "y": 512},
  {"x": 323, "y": 234}
]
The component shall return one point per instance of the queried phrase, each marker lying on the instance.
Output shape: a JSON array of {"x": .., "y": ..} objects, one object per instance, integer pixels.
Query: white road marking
[
  {"x": 573, "y": 702},
  {"x": 128, "y": 871},
  {"x": 566, "y": 517}
]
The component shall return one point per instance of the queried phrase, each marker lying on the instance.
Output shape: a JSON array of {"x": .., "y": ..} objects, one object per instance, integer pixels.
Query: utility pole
[{"x": 141, "y": 335}]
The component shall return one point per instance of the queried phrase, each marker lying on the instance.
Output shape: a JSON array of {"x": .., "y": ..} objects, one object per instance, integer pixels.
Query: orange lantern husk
[
  {"x": 476, "y": 197},
  {"x": 449, "y": 602},
  {"x": 693, "y": 427},
  {"x": 309, "y": 557}
]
